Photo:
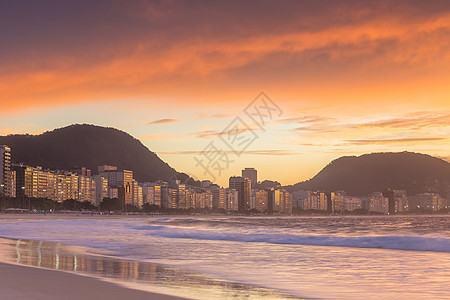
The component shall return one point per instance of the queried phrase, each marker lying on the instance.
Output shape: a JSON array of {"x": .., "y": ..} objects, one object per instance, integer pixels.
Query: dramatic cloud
[{"x": 60, "y": 52}]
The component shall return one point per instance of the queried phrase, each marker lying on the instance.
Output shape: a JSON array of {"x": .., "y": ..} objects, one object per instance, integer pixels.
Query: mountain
[
  {"x": 362, "y": 175},
  {"x": 89, "y": 146}
]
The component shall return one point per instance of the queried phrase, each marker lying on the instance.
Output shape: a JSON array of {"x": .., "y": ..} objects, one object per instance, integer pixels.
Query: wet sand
[
  {"x": 33, "y": 269},
  {"x": 22, "y": 282}
]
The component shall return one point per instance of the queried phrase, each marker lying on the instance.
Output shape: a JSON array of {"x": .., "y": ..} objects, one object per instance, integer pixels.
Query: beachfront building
[
  {"x": 316, "y": 201},
  {"x": 219, "y": 198},
  {"x": 401, "y": 201},
  {"x": 260, "y": 200},
  {"x": 279, "y": 200},
  {"x": 113, "y": 192},
  {"x": 151, "y": 193},
  {"x": 179, "y": 191},
  {"x": 337, "y": 201},
  {"x": 148, "y": 193},
  {"x": 137, "y": 195},
  {"x": 35, "y": 182},
  {"x": 352, "y": 203},
  {"x": 378, "y": 203},
  {"x": 168, "y": 196},
  {"x": 6, "y": 185},
  {"x": 101, "y": 189},
  {"x": 232, "y": 199},
  {"x": 299, "y": 198},
  {"x": 286, "y": 207},
  {"x": 122, "y": 180},
  {"x": 202, "y": 198},
  {"x": 251, "y": 174},
  {"x": 243, "y": 186},
  {"x": 86, "y": 189},
  {"x": 427, "y": 201}
]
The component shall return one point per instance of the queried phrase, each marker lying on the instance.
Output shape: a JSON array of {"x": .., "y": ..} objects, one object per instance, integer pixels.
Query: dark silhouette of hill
[
  {"x": 267, "y": 184},
  {"x": 365, "y": 174},
  {"x": 89, "y": 146}
]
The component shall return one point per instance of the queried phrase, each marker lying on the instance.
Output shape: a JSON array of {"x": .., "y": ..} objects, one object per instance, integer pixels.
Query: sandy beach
[
  {"x": 38, "y": 269},
  {"x": 27, "y": 282},
  {"x": 377, "y": 257},
  {"x": 22, "y": 282}
]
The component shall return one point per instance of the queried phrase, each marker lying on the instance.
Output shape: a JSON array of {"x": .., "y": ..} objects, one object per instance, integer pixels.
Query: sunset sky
[{"x": 350, "y": 77}]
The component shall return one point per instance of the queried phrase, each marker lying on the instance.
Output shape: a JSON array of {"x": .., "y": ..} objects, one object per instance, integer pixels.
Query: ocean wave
[{"x": 395, "y": 242}]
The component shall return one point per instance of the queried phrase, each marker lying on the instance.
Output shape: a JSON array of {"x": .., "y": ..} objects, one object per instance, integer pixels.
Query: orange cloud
[
  {"x": 364, "y": 55},
  {"x": 163, "y": 121},
  {"x": 414, "y": 121},
  {"x": 400, "y": 140}
]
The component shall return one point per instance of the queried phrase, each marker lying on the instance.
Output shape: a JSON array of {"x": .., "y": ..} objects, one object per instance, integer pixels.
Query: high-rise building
[
  {"x": 151, "y": 193},
  {"x": 276, "y": 200},
  {"x": 232, "y": 199},
  {"x": 427, "y": 202},
  {"x": 261, "y": 199},
  {"x": 378, "y": 203},
  {"x": 316, "y": 201},
  {"x": 401, "y": 201},
  {"x": 12, "y": 183},
  {"x": 390, "y": 194},
  {"x": 168, "y": 196},
  {"x": 300, "y": 198},
  {"x": 5, "y": 171},
  {"x": 352, "y": 203},
  {"x": 337, "y": 202},
  {"x": 180, "y": 197},
  {"x": 86, "y": 189},
  {"x": 34, "y": 182},
  {"x": 190, "y": 203},
  {"x": 119, "y": 179},
  {"x": 101, "y": 189},
  {"x": 219, "y": 196},
  {"x": 244, "y": 187},
  {"x": 279, "y": 200},
  {"x": 113, "y": 192},
  {"x": 251, "y": 174},
  {"x": 137, "y": 194},
  {"x": 286, "y": 204}
]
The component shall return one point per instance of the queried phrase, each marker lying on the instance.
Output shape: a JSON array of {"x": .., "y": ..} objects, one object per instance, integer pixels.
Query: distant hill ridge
[
  {"x": 89, "y": 146},
  {"x": 362, "y": 175}
]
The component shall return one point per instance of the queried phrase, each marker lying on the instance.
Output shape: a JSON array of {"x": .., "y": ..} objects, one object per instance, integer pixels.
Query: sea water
[{"x": 314, "y": 257}]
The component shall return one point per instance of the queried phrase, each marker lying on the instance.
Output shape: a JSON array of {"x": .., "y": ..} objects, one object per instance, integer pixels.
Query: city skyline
[
  {"x": 115, "y": 189},
  {"x": 350, "y": 77}
]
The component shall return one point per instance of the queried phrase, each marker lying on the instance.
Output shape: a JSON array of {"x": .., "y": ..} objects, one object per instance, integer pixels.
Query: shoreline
[
  {"x": 44, "y": 275},
  {"x": 26, "y": 282},
  {"x": 57, "y": 265}
]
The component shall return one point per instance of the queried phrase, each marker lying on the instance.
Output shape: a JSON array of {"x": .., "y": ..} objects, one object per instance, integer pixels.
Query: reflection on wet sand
[{"x": 144, "y": 275}]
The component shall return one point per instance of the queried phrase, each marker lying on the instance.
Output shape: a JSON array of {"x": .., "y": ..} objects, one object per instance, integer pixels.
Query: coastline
[
  {"x": 195, "y": 258},
  {"x": 24, "y": 282},
  {"x": 31, "y": 269}
]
